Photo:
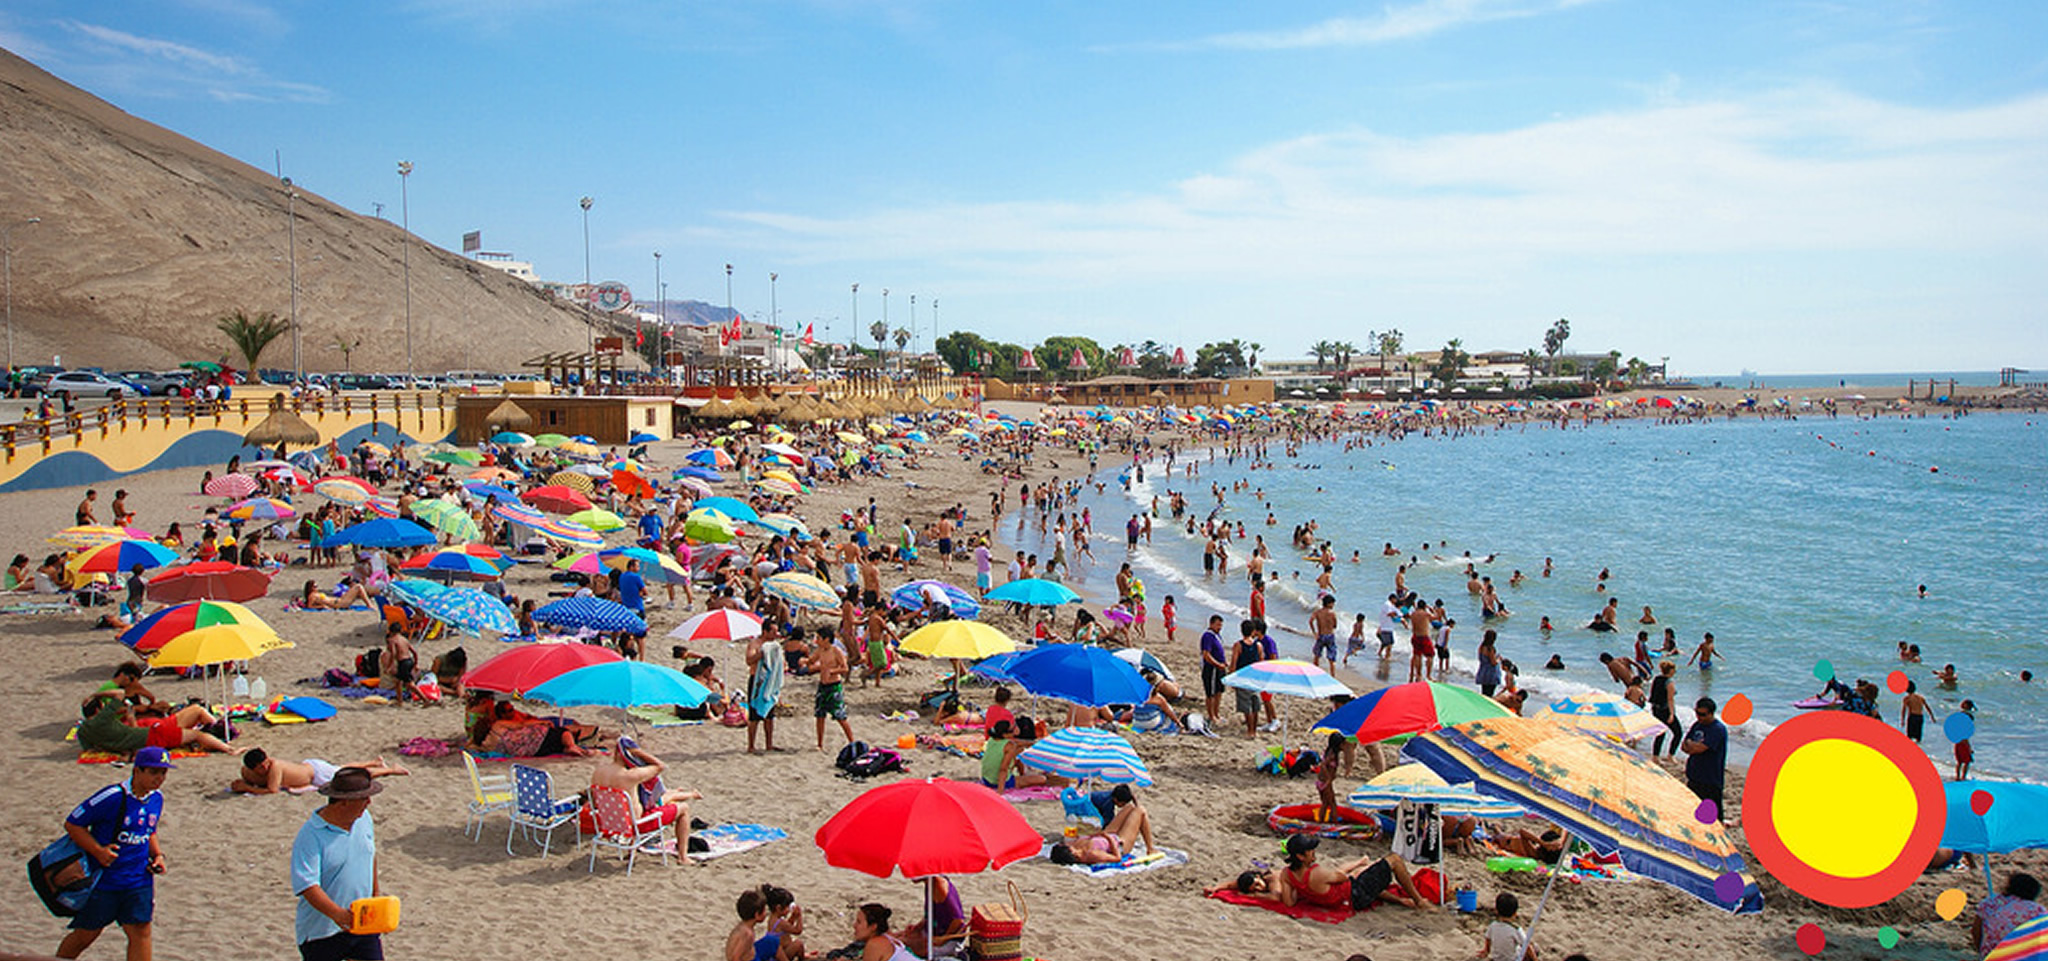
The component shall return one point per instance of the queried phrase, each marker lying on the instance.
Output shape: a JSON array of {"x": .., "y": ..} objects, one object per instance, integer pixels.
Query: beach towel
[
  {"x": 295, "y": 608},
  {"x": 39, "y": 607},
  {"x": 764, "y": 686},
  {"x": 659, "y": 716},
  {"x": 109, "y": 757},
  {"x": 1162, "y": 858},
  {"x": 725, "y": 839},
  {"x": 1306, "y": 912},
  {"x": 1019, "y": 795}
]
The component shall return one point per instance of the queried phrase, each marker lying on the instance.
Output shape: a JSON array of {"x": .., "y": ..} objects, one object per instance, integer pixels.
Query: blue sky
[{"x": 1791, "y": 186}]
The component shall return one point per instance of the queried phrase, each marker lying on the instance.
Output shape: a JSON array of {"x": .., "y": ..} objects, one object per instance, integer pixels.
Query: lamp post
[
  {"x": 589, "y": 320},
  {"x": 7, "y": 241},
  {"x": 935, "y": 325},
  {"x": 405, "y": 255},
  {"x": 291, "y": 197},
  {"x": 882, "y": 347},
  {"x": 913, "y": 321},
  {"x": 775, "y": 321},
  {"x": 661, "y": 321}
]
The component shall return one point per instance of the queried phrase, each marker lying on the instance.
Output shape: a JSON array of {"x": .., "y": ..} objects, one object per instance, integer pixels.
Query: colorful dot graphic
[
  {"x": 1810, "y": 939},
  {"x": 1896, "y": 681},
  {"x": 1823, "y": 670},
  {"x": 1737, "y": 710},
  {"x": 1887, "y": 937},
  {"x": 1950, "y": 903},
  {"x": 1959, "y": 727},
  {"x": 1980, "y": 803},
  {"x": 1707, "y": 813},
  {"x": 1728, "y": 888},
  {"x": 1843, "y": 808}
]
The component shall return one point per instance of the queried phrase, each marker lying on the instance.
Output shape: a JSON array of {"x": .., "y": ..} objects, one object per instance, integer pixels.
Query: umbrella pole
[{"x": 1529, "y": 933}]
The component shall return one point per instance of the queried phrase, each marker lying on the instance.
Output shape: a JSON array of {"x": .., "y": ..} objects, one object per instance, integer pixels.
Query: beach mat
[
  {"x": 1019, "y": 795},
  {"x": 1164, "y": 858},
  {"x": 109, "y": 757},
  {"x": 656, "y": 716},
  {"x": 1306, "y": 912},
  {"x": 727, "y": 839}
]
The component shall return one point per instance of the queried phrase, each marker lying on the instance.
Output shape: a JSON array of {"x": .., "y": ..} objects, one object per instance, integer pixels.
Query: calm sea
[{"x": 1791, "y": 541}]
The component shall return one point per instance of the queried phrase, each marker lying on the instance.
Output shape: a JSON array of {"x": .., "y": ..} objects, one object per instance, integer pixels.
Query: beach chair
[
  {"x": 611, "y": 813},
  {"x": 535, "y": 808},
  {"x": 487, "y": 795}
]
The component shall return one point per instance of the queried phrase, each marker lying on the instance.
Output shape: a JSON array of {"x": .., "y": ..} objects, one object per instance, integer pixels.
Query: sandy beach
[{"x": 227, "y": 891}]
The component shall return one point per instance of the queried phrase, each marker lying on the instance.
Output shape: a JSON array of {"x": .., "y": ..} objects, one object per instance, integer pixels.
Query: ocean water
[
  {"x": 1792, "y": 541},
  {"x": 1962, "y": 378}
]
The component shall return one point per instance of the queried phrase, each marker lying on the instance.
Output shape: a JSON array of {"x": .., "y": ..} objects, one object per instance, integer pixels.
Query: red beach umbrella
[
  {"x": 528, "y": 666},
  {"x": 557, "y": 499},
  {"x": 208, "y": 581},
  {"x": 236, "y": 486},
  {"x": 924, "y": 827},
  {"x": 719, "y": 625}
]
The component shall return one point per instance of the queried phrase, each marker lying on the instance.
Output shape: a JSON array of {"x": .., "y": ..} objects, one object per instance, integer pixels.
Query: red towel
[{"x": 1311, "y": 912}]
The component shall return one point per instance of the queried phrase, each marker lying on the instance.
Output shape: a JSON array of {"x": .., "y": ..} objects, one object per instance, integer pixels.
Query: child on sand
[
  {"x": 1326, "y": 777},
  {"x": 741, "y": 945},
  {"x": 1502, "y": 936}
]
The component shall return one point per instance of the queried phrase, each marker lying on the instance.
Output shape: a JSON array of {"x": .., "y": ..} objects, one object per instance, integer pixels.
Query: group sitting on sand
[{"x": 123, "y": 717}]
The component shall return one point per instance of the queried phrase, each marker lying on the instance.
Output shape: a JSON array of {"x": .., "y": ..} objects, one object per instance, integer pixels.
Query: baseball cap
[{"x": 153, "y": 757}]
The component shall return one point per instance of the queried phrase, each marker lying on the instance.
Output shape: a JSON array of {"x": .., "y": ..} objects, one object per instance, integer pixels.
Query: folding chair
[
  {"x": 536, "y": 808},
  {"x": 487, "y": 795},
  {"x": 611, "y": 811}
]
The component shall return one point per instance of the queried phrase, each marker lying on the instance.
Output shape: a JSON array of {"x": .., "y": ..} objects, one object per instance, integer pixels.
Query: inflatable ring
[{"x": 1351, "y": 823}]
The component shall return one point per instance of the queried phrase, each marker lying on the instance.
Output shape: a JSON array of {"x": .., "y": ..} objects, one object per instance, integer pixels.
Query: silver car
[{"x": 83, "y": 383}]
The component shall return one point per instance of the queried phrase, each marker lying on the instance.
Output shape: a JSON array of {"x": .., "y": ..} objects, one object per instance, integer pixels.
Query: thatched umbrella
[
  {"x": 718, "y": 409},
  {"x": 507, "y": 416},
  {"x": 282, "y": 428},
  {"x": 742, "y": 407}
]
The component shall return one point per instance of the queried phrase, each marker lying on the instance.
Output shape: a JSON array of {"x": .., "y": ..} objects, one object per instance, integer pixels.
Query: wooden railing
[{"x": 194, "y": 413}]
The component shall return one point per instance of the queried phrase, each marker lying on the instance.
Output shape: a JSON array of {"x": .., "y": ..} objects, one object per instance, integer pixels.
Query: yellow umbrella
[
  {"x": 741, "y": 424},
  {"x": 217, "y": 644},
  {"x": 81, "y": 538},
  {"x": 967, "y": 640},
  {"x": 780, "y": 474},
  {"x": 878, "y": 429},
  {"x": 577, "y": 448},
  {"x": 849, "y": 437}
]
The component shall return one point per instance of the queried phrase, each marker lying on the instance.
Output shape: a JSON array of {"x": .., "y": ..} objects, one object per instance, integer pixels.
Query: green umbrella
[
  {"x": 550, "y": 440},
  {"x": 598, "y": 519},
  {"x": 467, "y": 458},
  {"x": 204, "y": 366},
  {"x": 447, "y": 517},
  {"x": 707, "y": 526}
]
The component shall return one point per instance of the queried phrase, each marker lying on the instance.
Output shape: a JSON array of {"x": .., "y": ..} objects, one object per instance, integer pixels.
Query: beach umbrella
[
  {"x": 450, "y": 562},
  {"x": 466, "y": 458},
  {"x": 514, "y": 512},
  {"x": 656, "y": 567},
  {"x": 119, "y": 557},
  {"x": 1117, "y": 615},
  {"x": 556, "y": 498},
  {"x": 574, "y": 479},
  {"x": 157, "y": 629},
  {"x": 732, "y": 507},
  {"x": 484, "y": 491},
  {"x": 590, "y": 614},
  {"x": 707, "y": 526},
  {"x": 492, "y": 475},
  {"x": 1034, "y": 592},
  {"x": 925, "y": 826},
  {"x": 231, "y": 485},
  {"x": 698, "y": 473},
  {"x": 382, "y": 532},
  {"x": 723, "y": 624},
  {"x": 469, "y": 610},
  {"x": 2017, "y": 819},
  {"x": 1611, "y": 798},
  {"x": 1087, "y": 752},
  {"x": 550, "y": 440},
  {"x": 643, "y": 437},
  {"x": 528, "y": 666},
  {"x": 966, "y": 640},
  {"x": 916, "y": 594},
  {"x": 631, "y": 484},
  {"x": 1079, "y": 674},
  {"x": 1144, "y": 660},
  {"x": 621, "y": 684},
  {"x": 803, "y": 590},
  {"x": 512, "y": 438},
  {"x": 344, "y": 490},
  {"x": 598, "y": 519},
  {"x": 208, "y": 580},
  {"x": 1419, "y": 784},
  {"x": 1405, "y": 709},
  {"x": 382, "y": 506},
  {"x": 1602, "y": 715},
  {"x": 784, "y": 450},
  {"x": 708, "y": 457},
  {"x": 693, "y": 485},
  {"x": 93, "y": 535},
  {"x": 577, "y": 448},
  {"x": 996, "y": 667},
  {"x": 778, "y": 485},
  {"x": 261, "y": 509},
  {"x": 2027, "y": 940},
  {"x": 569, "y": 533},
  {"x": 786, "y": 525},
  {"x": 447, "y": 517},
  {"x": 217, "y": 644},
  {"x": 1292, "y": 678}
]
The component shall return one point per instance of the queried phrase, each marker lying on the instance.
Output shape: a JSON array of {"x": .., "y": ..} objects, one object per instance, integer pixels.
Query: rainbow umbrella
[
  {"x": 708, "y": 457},
  {"x": 657, "y": 567},
  {"x": 261, "y": 509},
  {"x": 157, "y": 629},
  {"x": 1611, "y": 798},
  {"x": 569, "y": 532},
  {"x": 517, "y": 513},
  {"x": 121, "y": 556},
  {"x": 447, "y": 517},
  {"x": 217, "y": 644},
  {"x": 1087, "y": 752},
  {"x": 382, "y": 506},
  {"x": 803, "y": 590},
  {"x": 1602, "y": 715},
  {"x": 2028, "y": 939},
  {"x": 1406, "y": 709},
  {"x": 92, "y": 535},
  {"x": 778, "y": 485}
]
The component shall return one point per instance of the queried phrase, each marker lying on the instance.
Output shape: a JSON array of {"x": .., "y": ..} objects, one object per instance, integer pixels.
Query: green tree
[
  {"x": 1220, "y": 359},
  {"x": 1606, "y": 367},
  {"x": 1451, "y": 363},
  {"x": 1251, "y": 356},
  {"x": 1322, "y": 351},
  {"x": 1554, "y": 338},
  {"x": 1637, "y": 371},
  {"x": 902, "y": 339},
  {"x": 880, "y": 332},
  {"x": 1344, "y": 351},
  {"x": 1055, "y": 352},
  {"x": 1389, "y": 344},
  {"x": 250, "y": 334},
  {"x": 347, "y": 346}
]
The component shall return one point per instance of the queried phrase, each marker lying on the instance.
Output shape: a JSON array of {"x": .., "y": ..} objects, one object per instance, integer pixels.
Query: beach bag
[
  {"x": 995, "y": 931},
  {"x": 849, "y": 754},
  {"x": 63, "y": 876},
  {"x": 880, "y": 760},
  {"x": 367, "y": 662}
]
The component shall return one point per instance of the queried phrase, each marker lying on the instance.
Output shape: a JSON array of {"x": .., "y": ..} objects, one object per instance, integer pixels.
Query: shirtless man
[
  {"x": 399, "y": 662},
  {"x": 849, "y": 561},
  {"x": 829, "y": 663},
  {"x": 1704, "y": 653},
  {"x": 1323, "y": 625},
  {"x": 1622, "y": 670},
  {"x": 871, "y": 573},
  {"x": 1422, "y": 650},
  {"x": 630, "y": 768},
  {"x": 263, "y": 774},
  {"x": 1913, "y": 711}
]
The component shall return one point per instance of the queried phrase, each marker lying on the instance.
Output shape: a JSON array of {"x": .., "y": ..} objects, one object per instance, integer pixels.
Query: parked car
[
  {"x": 152, "y": 383},
  {"x": 83, "y": 383}
]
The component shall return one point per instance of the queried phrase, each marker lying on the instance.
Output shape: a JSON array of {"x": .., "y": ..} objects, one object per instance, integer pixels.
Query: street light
[
  {"x": 589, "y": 319},
  {"x": 879, "y": 348},
  {"x": 7, "y": 241},
  {"x": 291, "y": 197},
  {"x": 660, "y": 323},
  {"x": 405, "y": 254},
  {"x": 728, "y": 288},
  {"x": 775, "y": 320}
]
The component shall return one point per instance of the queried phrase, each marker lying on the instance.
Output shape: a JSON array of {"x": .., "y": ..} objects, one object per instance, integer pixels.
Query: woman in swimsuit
[
  {"x": 871, "y": 928},
  {"x": 1111, "y": 844},
  {"x": 1356, "y": 885}
]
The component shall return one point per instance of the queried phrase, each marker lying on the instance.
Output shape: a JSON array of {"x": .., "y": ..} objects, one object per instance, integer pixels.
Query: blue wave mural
[{"x": 200, "y": 448}]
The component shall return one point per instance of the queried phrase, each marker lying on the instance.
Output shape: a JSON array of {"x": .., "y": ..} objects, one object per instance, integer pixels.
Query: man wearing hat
[
  {"x": 116, "y": 827},
  {"x": 334, "y": 864}
]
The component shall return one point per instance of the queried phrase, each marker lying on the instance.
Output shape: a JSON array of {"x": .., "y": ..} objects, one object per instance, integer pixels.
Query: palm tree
[
  {"x": 250, "y": 334},
  {"x": 902, "y": 338},
  {"x": 1389, "y": 344},
  {"x": 1252, "y": 357},
  {"x": 347, "y": 348},
  {"x": 880, "y": 332},
  {"x": 1344, "y": 349},
  {"x": 1321, "y": 350}
]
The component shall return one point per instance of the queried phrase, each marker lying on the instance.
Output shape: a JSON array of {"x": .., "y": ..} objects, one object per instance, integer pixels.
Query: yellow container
[{"x": 377, "y": 915}]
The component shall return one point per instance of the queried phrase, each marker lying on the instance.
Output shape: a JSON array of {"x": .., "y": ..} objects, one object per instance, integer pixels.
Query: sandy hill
[{"x": 148, "y": 236}]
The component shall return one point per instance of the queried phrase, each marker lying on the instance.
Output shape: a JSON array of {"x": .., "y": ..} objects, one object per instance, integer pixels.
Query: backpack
[
  {"x": 879, "y": 760},
  {"x": 850, "y": 753},
  {"x": 366, "y": 662},
  {"x": 1304, "y": 762}
]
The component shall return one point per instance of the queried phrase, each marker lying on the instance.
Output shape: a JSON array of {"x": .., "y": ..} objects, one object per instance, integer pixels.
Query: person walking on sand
[
  {"x": 765, "y": 667},
  {"x": 1706, "y": 749},
  {"x": 829, "y": 663},
  {"x": 116, "y": 827},
  {"x": 334, "y": 865}
]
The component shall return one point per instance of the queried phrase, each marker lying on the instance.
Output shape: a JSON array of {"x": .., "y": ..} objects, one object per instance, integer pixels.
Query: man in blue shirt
[
  {"x": 1213, "y": 666},
  {"x": 633, "y": 588},
  {"x": 1706, "y": 749},
  {"x": 116, "y": 827},
  {"x": 650, "y": 528},
  {"x": 334, "y": 864}
]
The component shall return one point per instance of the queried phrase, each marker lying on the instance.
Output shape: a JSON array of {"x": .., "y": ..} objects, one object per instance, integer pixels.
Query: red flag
[
  {"x": 808, "y": 341},
  {"x": 639, "y": 337}
]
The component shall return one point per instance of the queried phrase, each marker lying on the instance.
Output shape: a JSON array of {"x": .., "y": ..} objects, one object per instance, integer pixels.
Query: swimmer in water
[
  {"x": 1555, "y": 663},
  {"x": 1947, "y": 676},
  {"x": 1647, "y": 618},
  {"x": 1545, "y": 626},
  {"x": 1704, "y": 653}
]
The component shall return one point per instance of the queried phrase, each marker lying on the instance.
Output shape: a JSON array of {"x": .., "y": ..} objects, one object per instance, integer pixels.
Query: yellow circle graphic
[{"x": 1843, "y": 808}]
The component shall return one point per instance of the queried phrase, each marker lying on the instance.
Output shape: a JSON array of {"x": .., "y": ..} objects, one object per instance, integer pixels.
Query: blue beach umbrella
[
  {"x": 485, "y": 491},
  {"x": 512, "y": 438},
  {"x": 912, "y": 597},
  {"x": 1087, "y": 752},
  {"x": 1034, "y": 591},
  {"x": 621, "y": 684},
  {"x": 996, "y": 667},
  {"x": 413, "y": 590},
  {"x": 642, "y": 437},
  {"x": 700, "y": 473},
  {"x": 1079, "y": 674},
  {"x": 731, "y": 507},
  {"x": 382, "y": 532},
  {"x": 2018, "y": 817},
  {"x": 471, "y": 611},
  {"x": 592, "y": 614}
]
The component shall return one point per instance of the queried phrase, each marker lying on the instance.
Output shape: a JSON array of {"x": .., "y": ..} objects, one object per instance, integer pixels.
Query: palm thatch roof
[{"x": 282, "y": 427}]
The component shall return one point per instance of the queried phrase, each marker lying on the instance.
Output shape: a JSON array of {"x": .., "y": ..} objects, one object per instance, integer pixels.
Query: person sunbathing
[
  {"x": 1355, "y": 885},
  {"x": 1117, "y": 839},
  {"x": 515, "y": 733},
  {"x": 1546, "y": 847},
  {"x": 311, "y": 598},
  {"x": 263, "y": 774},
  {"x": 115, "y": 727}
]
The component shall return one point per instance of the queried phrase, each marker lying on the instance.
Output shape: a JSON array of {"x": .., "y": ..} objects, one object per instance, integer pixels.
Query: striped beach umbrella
[
  {"x": 1603, "y": 715},
  {"x": 481, "y": 490},
  {"x": 803, "y": 590},
  {"x": 967, "y": 640},
  {"x": 2028, "y": 939},
  {"x": 696, "y": 472},
  {"x": 155, "y": 630},
  {"x": 550, "y": 440},
  {"x": 447, "y": 517},
  {"x": 1087, "y": 752},
  {"x": 723, "y": 624},
  {"x": 261, "y": 509},
  {"x": 517, "y": 513},
  {"x": 344, "y": 490},
  {"x": 574, "y": 480},
  {"x": 1416, "y": 782},
  {"x": 382, "y": 506},
  {"x": 231, "y": 485},
  {"x": 1406, "y": 709},
  {"x": 1292, "y": 678},
  {"x": 916, "y": 594},
  {"x": 570, "y": 533},
  {"x": 708, "y": 457},
  {"x": 590, "y": 614},
  {"x": 583, "y": 449},
  {"x": 120, "y": 557},
  {"x": 778, "y": 485},
  {"x": 785, "y": 525}
]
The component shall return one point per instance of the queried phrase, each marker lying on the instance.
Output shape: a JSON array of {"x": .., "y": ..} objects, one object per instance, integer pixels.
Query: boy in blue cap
[{"x": 116, "y": 827}]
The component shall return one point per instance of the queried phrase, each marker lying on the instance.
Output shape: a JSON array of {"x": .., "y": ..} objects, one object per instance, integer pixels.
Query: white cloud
[
  {"x": 1695, "y": 194},
  {"x": 153, "y": 66},
  {"x": 1393, "y": 23}
]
